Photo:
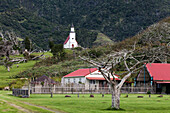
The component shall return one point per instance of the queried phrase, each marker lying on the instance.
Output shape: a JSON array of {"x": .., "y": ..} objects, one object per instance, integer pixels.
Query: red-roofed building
[
  {"x": 90, "y": 77},
  {"x": 156, "y": 75},
  {"x": 71, "y": 42}
]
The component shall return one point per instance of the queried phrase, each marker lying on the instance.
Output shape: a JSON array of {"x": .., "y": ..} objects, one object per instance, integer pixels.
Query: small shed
[
  {"x": 43, "y": 84},
  {"x": 42, "y": 81}
]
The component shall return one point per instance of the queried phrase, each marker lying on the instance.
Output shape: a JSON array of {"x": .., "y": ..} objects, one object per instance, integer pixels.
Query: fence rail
[{"x": 75, "y": 90}]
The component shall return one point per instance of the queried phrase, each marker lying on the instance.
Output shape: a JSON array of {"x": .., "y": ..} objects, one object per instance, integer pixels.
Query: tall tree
[
  {"x": 27, "y": 44},
  {"x": 58, "y": 51},
  {"x": 132, "y": 60},
  {"x": 51, "y": 44}
]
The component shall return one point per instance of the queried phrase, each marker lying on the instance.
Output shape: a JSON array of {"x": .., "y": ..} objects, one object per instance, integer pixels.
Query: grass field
[
  {"x": 47, "y": 54},
  {"x": 98, "y": 104},
  {"x": 5, "y": 75},
  {"x": 4, "y": 107}
]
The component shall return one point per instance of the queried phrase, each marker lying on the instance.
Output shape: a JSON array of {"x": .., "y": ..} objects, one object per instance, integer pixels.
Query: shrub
[{"x": 148, "y": 92}]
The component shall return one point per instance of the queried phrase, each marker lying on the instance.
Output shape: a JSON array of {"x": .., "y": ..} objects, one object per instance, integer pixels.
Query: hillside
[
  {"x": 158, "y": 33},
  {"x": 41, "y": 20},
  {"x": 102, "y": 40}
]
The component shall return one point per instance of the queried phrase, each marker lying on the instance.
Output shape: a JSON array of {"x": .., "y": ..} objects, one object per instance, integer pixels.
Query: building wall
[
  {"x": 73, "y": 40},
  {"x": 143, "y": 75},
  {"x": 89, "y": 84},
  {"x": 92, "y": 84},
  {"x": 66, "y": 45},
  {"x": 74, "y": 80}
]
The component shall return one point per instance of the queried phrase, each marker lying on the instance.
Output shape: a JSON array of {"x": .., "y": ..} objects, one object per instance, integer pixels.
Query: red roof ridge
[
  {"x": 81, "y": 72},
  {"x": 67, "y": 39},
  {"x": 100, "y": 78}
]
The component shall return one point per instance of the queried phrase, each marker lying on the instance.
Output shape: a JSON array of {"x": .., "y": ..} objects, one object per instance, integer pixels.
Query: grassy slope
[
  {"x": 47, "y": 54},
  {"x": 4, "y": 74},
  {"x": 102, "y": 40},
  {"x": 85, "y": 104}
]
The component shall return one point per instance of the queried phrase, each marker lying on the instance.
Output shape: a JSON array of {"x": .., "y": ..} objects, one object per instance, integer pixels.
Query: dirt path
[
  {"x": 27, "y": 111},
  {"x": 42, "y": 107},
  {"x": 16, "y": 106}
]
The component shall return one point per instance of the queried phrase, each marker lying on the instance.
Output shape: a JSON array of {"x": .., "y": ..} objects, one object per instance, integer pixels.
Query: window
[
  {"x": 74, "y": 80},
  {"x": 92, "y": 82},
  {"x": 68, "y": 80},
  {"x": 79, "y": 79}
]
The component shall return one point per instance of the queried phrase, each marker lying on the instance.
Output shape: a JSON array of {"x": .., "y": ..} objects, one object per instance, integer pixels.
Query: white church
[{"x": 71, "y": 39}]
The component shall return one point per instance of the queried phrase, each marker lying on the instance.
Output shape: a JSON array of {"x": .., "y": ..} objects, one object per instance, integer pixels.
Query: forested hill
[{"x": 44, "y": 19}]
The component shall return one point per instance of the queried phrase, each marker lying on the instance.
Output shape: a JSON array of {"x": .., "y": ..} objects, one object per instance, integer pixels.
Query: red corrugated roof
[
  {"x": 99, "y": 78},
  {"x": 81, "y": 72},
  {"x": 159, "y": 71},
  {"x": 67, "y": 39},
  {"x": 163, "y": 82}
]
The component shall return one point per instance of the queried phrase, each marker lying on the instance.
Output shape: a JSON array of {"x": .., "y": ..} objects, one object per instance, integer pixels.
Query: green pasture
[
  {"x": 98, "y": 104},
  {"x": 47, "y": 54},
  {"x": 5, "y": 76},
  {"x": 4, "y": 107}
]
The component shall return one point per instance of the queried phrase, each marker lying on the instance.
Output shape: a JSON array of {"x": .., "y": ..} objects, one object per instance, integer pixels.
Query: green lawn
[
  {"x": 98, "y": 104},
  {"x": 4, "y": 107},
  {"x": 4, "y": 74}
]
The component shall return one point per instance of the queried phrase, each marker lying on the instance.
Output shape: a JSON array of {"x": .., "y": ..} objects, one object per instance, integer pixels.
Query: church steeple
[
  {"x": 72, "y": 25},
  {"x": 72, "y": 28}
]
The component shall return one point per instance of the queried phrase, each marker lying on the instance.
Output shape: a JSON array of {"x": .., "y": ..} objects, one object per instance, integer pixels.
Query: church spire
[
  {"x": 72, "y": 28},
  {"x": 72, "y": 25}
]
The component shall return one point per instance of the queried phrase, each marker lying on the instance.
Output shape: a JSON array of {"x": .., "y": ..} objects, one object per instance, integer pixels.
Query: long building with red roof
[
  {"x": 91, "y": 77},
  {"x": 156, "y": 75}
]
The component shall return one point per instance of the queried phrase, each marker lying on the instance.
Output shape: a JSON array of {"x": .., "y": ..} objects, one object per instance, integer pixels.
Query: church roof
[{"x": 67, "y": 39}]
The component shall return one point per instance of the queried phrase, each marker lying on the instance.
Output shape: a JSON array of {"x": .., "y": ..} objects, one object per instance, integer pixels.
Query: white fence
[{"x": 76, "y": 90}]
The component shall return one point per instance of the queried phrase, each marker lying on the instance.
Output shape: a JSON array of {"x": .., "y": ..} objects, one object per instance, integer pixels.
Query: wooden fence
[{"x": 76, "y": 90}]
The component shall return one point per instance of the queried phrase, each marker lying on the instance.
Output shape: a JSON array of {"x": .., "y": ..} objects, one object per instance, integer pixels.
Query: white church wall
[
  {"x": 67, "y": 45},
  {"x": 72, "y": 36}
]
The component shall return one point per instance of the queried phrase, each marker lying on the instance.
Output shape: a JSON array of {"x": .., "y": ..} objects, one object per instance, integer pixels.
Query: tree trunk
[
  {"x": 115, "y": 97},
  {"x": 28, "y": 88},
  {"x": 51, "y": 92},
  {"x": 8, "y": 69}
]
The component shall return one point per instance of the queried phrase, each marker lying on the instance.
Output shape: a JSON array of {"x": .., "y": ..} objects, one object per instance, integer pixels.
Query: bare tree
[
  {"x": 131, "y": 61},
  {"x": 9, "y": 43}
]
